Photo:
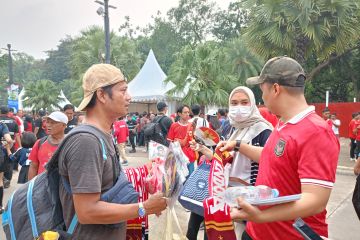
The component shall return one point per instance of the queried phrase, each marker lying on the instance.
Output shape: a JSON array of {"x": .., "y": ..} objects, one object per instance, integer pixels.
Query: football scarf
[
  {"x": 218, "y": 223},
  {"x": 138, "y": 228}
]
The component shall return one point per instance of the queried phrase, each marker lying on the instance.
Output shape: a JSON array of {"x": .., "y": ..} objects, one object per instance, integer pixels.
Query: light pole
[
  {"x": 10, "y": 66},
  {"x": 105, "y": 13}
]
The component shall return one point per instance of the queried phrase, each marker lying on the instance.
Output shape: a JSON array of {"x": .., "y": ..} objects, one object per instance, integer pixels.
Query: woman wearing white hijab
[{"x": 248, "y": 126}]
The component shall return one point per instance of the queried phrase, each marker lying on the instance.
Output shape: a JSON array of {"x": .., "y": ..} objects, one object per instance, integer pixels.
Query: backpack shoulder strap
[
  {"x": 159, "y": 122},
  {"x": 53, "y": 162},
  {"x": 42, "y": 141}
]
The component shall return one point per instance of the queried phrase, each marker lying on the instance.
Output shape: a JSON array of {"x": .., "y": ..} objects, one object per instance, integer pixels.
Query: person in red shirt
[
  {"x": 326, "y": 116},
  {"x": 45, "y": 147},
  {"x": 356, "y": 132},
  {"x": 182, "y": 131},
  {"x": 269, "y": 116},
  {"x": 121, "y": 133},
  {"x": 352, "y": 135},
  {"x": 293, "y": 160}
]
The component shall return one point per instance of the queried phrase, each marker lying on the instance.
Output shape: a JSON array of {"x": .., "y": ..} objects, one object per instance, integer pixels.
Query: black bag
[
  {"x": 155, "y": 131},
  {"x": 356, "y": 197}
]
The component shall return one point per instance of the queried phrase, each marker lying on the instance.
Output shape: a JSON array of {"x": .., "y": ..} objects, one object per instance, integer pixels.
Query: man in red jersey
[
  {"x": 293, "y": 159},
  {"x": 352, "y": 135}
]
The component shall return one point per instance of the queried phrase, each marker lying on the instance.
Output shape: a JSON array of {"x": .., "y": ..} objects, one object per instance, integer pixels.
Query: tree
[
  {"x": 229, "y": 23},
  {"x": 42, "y": 94},
  {"x": 89, "y": 49},
  {"x": 3, "y": 77},
  {"x": 26, "y": 68},
  {"x": 193, "y": 19},
  {"x": 56, "y": 64},
  {"x": 240, "y": 61},
  {"x": 301, "y": 28},
  {"x": 199, "y": 75},
  {"x": 163, "y": 39}
]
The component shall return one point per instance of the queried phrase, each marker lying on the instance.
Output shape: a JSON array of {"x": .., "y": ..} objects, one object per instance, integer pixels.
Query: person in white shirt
[
  {"x": 335, "y": 124},
  {"x": 201, "y": 122}
]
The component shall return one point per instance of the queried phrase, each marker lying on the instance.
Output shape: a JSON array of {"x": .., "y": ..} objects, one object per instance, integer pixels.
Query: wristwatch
[
  {"x": 141, "y": 210},
  {"x": 237, "y": 146}
]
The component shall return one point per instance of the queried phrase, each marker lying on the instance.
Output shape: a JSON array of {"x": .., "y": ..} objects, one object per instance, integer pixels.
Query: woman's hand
[
  {"x": 201, "y": 148},
  {"x": 226, "y": 146}
]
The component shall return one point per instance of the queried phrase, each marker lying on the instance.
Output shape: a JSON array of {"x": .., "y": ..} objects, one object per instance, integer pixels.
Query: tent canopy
[{"x": 148, "y": 85}]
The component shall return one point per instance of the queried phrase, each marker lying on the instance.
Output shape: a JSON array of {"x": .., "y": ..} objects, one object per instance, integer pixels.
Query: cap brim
[
  {"x": 85, "y": 102},
  {"x": 254, "y": 80}
]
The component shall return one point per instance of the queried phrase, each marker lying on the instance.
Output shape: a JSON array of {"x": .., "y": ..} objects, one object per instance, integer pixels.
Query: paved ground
[{"x": 342, "y": 220}]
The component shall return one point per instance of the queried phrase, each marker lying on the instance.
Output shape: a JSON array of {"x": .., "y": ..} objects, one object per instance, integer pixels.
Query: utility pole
[
  {"x": 105, "y": 13},
  {"x": 10, "y": 66}
]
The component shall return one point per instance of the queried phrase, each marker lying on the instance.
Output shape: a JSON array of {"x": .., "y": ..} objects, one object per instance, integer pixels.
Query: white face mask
[{"x": 239, "y": 113}]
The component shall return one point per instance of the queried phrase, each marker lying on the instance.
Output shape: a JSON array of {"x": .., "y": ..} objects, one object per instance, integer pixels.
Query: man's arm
[
  {"x": 313, "y": 201},
  {"x": 357, "y": 167},
  {"x": 36, "y": 130},
  {"x": 33, "y": 170},
  {"x": 8, "y": 138},
  {"x": 90, "y": 210},
  {"x": 18, "y": 139}
]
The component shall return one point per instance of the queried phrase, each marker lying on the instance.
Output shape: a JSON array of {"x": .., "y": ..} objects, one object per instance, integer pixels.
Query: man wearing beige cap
[
  {"x": 300, "y": 157},
  {"x": 88, "y": 171},
  {"x": 44, "y": 147}
]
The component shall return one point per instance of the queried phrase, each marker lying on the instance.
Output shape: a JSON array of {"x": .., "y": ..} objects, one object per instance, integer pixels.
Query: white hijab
[
  {"x": 246, "y": 130},
  {"x": 253, "y": 125}
]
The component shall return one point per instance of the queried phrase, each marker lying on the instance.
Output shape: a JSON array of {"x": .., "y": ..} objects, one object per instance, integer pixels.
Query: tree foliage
[
  {"x": 42, "y": 94},
  {"x": 301, "y": 28}
]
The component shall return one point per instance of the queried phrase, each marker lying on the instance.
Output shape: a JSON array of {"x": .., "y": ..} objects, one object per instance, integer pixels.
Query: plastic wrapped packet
[{"x": 181, "y": 161}]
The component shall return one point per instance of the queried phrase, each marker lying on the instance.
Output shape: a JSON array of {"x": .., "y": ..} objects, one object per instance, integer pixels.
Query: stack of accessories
[
  {"x": 206, "y": 136},
  {"x": 168, "y": 172},
  {"x": 256, "y": 195},
  {"x": 157, "y": 151}
]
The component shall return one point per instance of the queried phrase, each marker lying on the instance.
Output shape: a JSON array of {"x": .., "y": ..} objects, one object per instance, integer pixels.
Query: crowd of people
[{"x": 272, "y": 146}]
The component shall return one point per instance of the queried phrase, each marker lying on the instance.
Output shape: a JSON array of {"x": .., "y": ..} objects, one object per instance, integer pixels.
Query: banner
[{"x": 13, "y": 96}]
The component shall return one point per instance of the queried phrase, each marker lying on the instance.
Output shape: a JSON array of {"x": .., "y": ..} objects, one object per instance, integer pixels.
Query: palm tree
[
  {"x": 241, "y": 62},
  {"x": 199, "y": 74},
  {"x": 42, "y": 94},
  {"x": 300, "y": 28},
  {"x": 89, "y": 49}
]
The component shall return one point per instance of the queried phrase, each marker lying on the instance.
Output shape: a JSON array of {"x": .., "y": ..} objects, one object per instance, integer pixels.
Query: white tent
[{"x": 148, "y": 87}]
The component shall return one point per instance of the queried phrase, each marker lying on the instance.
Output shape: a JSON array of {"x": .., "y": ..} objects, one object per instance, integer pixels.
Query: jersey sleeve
[
  {"x": 318, "y": 159},
  {"x": 33, "y": 156},
  {"x": 83, "y": 163},
  {"x": 171, "y": 133}
]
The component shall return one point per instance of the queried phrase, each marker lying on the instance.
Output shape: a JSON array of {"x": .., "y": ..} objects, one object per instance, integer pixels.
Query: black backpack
[
  {"x": 35, "y": 207},
  {"x": 155, "y": 131}
]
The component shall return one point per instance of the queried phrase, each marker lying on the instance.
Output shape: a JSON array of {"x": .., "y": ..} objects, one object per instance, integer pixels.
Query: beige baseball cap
[{"x": 97, "y": 76}]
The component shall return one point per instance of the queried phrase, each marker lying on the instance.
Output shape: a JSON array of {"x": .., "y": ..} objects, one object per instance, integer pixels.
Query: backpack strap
[
  {"x": 161, "y": 126},
  {"x": 30, "y": 208},
  {"x": 42, "y": 141},
  {"x": 7, "y": 218}
]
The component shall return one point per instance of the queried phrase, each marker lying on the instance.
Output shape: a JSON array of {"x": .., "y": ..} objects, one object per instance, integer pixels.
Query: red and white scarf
[
  {"x": 138, "y": 228},
  {"x": 218, "y": 223}
]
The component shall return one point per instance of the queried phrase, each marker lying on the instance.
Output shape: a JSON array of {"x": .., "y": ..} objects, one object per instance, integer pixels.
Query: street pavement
[{"x": 341, "y": 217}]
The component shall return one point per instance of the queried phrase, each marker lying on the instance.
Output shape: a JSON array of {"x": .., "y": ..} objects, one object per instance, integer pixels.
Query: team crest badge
[{"x": 280, "y": 147}]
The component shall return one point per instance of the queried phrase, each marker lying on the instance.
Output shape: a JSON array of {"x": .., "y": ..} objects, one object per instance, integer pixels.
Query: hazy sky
[{"x": 34, "y": 26}]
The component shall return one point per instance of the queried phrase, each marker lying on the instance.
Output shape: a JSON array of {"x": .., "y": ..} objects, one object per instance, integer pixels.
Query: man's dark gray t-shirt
[{"x": 81, "y": 161}]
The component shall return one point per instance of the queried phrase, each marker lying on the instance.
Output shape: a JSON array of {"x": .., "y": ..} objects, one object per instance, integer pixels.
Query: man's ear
[
  {"x": 100, "y": 95},
  {"x": 277, "y": 89}
]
